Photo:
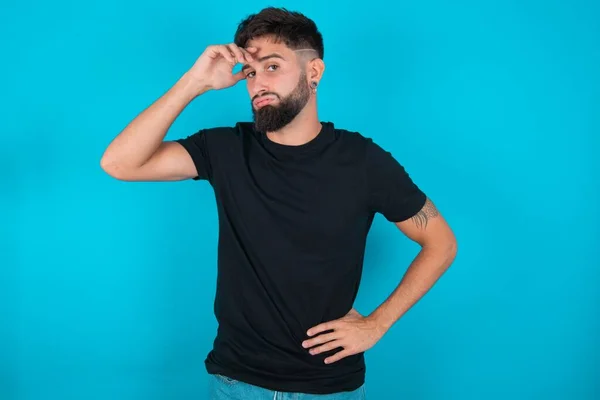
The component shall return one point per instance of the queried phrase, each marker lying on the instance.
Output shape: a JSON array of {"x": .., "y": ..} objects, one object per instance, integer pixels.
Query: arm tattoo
[{"x": 422, "y": 217}]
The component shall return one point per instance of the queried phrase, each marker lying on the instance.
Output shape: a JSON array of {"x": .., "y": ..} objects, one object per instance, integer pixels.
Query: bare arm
[
  {"x": 438, "y": 249},
  {"x": 355, "y": 333},
  {"x": 140, "y": 152}
]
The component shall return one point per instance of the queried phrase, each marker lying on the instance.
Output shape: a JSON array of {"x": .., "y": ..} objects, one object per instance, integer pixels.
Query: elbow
[
  {"x": 112, "y": 168},
  {"x": 443, "y": 248},
  {"x": 451, "y": 250},
  {"x": 107, "y": 165}
]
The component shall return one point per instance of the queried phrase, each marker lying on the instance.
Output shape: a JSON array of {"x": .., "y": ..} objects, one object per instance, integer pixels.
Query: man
[{"x": 296, "y": 198}]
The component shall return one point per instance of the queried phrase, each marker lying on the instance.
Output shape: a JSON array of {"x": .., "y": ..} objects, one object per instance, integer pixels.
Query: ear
[{"x": 315, "y": 70}]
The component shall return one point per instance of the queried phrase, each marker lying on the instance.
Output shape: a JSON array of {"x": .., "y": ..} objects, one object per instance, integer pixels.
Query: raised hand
[{"x": 214, "y": 68}]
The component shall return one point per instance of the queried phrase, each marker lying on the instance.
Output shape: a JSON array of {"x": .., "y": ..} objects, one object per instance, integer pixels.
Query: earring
[{"x": 313, "y": 84}]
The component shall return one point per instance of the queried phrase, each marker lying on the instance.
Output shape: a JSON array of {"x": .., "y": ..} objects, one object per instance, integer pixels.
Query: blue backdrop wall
[{"x": 106, "y": 287}]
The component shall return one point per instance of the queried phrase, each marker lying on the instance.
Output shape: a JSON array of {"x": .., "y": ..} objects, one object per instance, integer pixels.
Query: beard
[{"x": 271, "y": 118}]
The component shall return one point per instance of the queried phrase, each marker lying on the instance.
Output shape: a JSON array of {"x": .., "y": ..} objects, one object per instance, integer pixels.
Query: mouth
[{"x": 263, "y": 101}]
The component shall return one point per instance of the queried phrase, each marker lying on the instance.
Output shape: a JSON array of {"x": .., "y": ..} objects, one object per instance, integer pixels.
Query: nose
[
  {"x": 254, "y": 94},
  {"x": 259, "y": 92},
  {"x": 258, "y": 85}
]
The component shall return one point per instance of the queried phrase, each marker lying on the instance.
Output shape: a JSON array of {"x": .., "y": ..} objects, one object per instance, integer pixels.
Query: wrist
[
  {"x": 380, "y": 321},
  {"x": 193, "y": 86}
]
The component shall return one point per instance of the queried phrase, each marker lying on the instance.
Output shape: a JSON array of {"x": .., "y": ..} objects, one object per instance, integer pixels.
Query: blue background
[{"x": 106, "y": 287}]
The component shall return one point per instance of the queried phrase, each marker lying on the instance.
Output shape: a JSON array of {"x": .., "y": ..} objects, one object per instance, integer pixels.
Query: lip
[{"x": 263, "y": 101}]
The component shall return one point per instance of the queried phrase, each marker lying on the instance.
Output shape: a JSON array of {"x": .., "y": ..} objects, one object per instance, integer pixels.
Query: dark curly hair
[{"x": 290, "y": 27}]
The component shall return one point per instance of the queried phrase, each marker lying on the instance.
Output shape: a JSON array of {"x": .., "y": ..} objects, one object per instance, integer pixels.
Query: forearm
[
  {"x": 142, "y": 136},
  {"x": 427, "y": 267}
]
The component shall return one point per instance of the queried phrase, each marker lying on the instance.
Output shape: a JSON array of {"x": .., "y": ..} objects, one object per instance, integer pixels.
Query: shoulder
[
  {"x": 356, "y": 141},
  {"x": 226, "y": 131},
  {"x": 375, "y": 156},
  {"x": 225, "y": 135},
  {"x": 351, "y": 136}
]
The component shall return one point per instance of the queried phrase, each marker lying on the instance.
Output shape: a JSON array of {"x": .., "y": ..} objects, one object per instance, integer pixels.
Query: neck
[{"x": 304, "y": 128}]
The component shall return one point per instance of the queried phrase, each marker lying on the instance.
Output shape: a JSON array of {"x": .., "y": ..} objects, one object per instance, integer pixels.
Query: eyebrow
[{"x": 263, "y": 58}]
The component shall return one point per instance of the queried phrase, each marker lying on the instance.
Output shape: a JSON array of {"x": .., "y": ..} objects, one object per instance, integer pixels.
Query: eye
[
  {"x": 272, "y": 67},
  {"x": 250, "y": 74}
]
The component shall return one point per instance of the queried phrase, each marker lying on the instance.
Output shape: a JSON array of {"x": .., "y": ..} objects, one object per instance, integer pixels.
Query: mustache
[{"x": 266, "y": 94}]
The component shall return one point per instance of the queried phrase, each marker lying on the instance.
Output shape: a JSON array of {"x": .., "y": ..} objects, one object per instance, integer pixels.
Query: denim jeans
[{"x": 224, "y": 388}]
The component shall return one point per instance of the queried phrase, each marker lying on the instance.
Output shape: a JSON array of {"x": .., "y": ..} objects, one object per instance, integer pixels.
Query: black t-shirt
[{"x": 293, "y": 223}]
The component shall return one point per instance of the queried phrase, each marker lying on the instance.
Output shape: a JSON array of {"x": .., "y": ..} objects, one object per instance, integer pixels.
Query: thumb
[
  {"x": 353, "y": 312},
  {"x": 239, "y": 76}
]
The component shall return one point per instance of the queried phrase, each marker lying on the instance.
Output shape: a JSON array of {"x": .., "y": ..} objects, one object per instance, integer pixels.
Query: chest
[{"x": 318, "y": 202}]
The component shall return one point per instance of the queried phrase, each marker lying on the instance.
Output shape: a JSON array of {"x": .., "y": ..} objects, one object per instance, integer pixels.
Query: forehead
[{"x": 267, "y": 45}]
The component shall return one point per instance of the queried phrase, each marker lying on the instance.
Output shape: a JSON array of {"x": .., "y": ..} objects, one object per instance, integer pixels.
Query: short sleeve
[
  {"x": 197, "y": 146},
  {"x": 392, "y": 192}
]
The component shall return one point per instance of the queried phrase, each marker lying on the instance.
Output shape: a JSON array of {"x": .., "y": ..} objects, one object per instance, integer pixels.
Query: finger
[
  {"x": 325, "y": 326},
  {"x": 338, "y": 356},
  {"x": 240, "y": 76},
  {"x": 251, "y": 49},
  {"x": 239, "y": 56},
  {"x": 247, "y": 55},
  {"x": 213, "y": 51},
  {"x": 324, "y": 338},
  {"x": 226, "y": 54},
  {"x": 326, "y": 347}
]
